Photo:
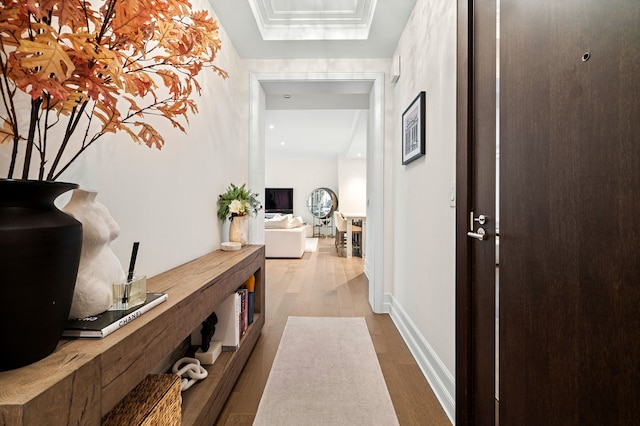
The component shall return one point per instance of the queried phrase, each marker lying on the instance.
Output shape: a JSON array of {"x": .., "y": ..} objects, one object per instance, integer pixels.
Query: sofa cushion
[
  {"x": 294, "y": 222},
  {"x": 277, "y": 222}
]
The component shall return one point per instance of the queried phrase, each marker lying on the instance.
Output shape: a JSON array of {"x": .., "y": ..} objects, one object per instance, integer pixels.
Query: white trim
[
  {"x": 256, "y": 153},
  {"x": 386, "y": 305},
  {"x": 374, "y": 261},
  {"x": 441, "y": 380}
]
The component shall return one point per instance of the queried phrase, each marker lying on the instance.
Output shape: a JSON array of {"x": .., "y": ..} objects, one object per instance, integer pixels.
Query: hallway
[{"x": 323, "y": 284}]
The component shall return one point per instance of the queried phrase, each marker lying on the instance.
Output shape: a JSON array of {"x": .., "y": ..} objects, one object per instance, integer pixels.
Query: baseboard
[
  {"x": 387, "y": 301},
  {"x": 441, "y": 380}
]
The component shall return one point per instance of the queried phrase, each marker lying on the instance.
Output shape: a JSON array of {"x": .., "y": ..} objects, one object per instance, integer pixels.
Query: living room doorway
[{"x": 374, "y": 262}]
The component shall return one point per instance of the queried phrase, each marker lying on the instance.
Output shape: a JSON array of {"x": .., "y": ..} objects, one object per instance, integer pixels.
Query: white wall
[
  {"x": 423, "y": 223},
  {"x": 167, "y": 199},
  {"x": 303, "y": 176},
  {"x": 352, "y": 185}
]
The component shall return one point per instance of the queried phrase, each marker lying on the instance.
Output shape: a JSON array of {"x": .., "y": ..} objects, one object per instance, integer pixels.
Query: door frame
[
  {"x": 464, "y": 383},
  {"x": 475, "y": 296},
  {"x": 374, "y": 267}
]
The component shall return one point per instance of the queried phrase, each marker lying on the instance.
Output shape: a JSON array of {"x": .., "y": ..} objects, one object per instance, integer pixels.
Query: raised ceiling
[
  {"x": 289, "y": 29},
  {"x": 313, "y": 19}
]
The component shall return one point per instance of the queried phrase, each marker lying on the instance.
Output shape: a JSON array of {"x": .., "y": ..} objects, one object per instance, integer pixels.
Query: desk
[{"x": 350, "y": 217}]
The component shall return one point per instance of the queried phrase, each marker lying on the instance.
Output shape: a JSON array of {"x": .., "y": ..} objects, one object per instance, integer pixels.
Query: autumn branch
[{"x": 123, "y": 50}]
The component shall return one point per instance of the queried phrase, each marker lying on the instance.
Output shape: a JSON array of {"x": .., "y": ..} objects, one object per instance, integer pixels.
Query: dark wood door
[
  {"x": 570, "y": 212},
  {"x": 483, "y": 202},
  {"x": 476, "y": 177}
]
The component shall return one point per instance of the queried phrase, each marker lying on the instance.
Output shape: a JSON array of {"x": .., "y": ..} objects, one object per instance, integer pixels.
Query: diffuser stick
[{"x": 132, "y": 263}]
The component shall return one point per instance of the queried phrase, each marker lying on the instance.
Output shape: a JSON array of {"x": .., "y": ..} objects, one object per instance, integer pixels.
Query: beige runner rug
[{"x": 325, "y": 373}]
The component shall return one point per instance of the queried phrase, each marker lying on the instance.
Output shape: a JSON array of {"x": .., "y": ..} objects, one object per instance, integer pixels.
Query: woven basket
[{"x": 154, "y": 401}]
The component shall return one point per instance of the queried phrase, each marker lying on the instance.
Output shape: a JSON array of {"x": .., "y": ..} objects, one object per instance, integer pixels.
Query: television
[{"x": 278, "y": 200}]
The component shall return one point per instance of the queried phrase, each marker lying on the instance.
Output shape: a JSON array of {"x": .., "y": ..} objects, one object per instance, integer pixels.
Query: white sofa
[
  {"x": 284, "y": 242},
  {"x": 284, "y": 236}
]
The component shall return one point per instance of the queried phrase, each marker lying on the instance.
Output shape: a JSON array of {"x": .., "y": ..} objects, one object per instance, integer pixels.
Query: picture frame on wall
[{"x": 413, "y": 130}]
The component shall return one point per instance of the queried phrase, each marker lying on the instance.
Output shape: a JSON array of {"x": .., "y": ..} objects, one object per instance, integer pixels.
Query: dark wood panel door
[
  {"x": 570, "y": 212},
  {"x": 483, "y": 190},
  {"x": 476, "y": 177}
]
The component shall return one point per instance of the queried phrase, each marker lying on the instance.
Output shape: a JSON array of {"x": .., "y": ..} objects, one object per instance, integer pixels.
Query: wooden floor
[{"x": 323, "y": 284}]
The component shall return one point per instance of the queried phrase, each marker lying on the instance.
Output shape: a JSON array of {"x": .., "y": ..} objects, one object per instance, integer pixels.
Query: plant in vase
[
  {"x": 72, "y": 72},
  {"x": 236, "y": 204}
]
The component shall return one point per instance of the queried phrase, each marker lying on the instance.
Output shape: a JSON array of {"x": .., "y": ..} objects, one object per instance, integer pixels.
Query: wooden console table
[{"x": 84, "y": 378}]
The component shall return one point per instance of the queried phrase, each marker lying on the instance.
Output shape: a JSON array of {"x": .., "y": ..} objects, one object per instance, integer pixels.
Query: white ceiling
[
  {"x": 318, "y": 119},
  {"x": 289, "y": 29},
  {"x": 321, "y": 119},
  {"x": 305, "y": 134}
]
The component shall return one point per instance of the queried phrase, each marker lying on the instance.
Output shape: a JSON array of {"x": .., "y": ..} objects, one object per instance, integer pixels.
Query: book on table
[{"x": 107, "y": 322}]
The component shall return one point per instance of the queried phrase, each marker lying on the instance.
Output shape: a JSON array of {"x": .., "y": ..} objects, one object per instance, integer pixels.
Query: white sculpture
[{"x": 99, "y": 267}]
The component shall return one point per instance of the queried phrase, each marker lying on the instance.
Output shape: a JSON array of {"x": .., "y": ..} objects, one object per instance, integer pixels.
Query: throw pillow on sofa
[
  {"x": 277, "y": 222},
  {"x": 295, "y": 222}
]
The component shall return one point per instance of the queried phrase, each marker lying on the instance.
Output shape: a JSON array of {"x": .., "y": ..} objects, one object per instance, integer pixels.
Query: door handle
[{"x": 480, "y": 234}]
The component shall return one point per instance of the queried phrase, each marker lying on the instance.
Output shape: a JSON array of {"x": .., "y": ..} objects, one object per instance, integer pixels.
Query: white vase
[
  {"x": 238, "y": 229},
  {"x": 99, "y": 267}
]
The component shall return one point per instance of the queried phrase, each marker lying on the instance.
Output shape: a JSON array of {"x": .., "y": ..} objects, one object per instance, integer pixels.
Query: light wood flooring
[{"x": 323, "y": 284}]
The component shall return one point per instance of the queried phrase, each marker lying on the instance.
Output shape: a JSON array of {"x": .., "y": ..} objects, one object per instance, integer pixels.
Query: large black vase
[{"x": 39, "y": 255}]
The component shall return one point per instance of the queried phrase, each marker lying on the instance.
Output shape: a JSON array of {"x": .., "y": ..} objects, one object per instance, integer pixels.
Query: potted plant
[
  {"x": 236, "y": 204},
  {"x": 73, "y": 72}
]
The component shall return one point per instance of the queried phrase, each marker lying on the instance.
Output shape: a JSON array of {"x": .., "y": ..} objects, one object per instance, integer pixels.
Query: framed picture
[{"x": 413, "y": 130}]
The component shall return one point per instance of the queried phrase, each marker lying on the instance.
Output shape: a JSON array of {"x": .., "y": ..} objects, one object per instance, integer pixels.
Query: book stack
[{"x": 235, "y": 315}]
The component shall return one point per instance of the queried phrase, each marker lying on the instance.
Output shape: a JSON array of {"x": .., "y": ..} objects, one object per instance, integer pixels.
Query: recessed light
[
  {"x": 271, "y": 126},
  {"x": 282, "y": 143},
  {"x": 287, "y": 96},
  {"x": 359, "y": 155}
]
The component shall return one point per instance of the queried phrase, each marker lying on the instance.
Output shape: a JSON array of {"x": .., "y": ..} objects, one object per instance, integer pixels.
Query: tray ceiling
[
  {"x": 290, "y": 29},
  {"x": 313, "y": 19}
]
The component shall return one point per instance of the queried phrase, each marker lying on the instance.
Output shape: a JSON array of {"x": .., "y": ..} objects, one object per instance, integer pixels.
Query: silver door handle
[{"x": 480, "y": 234}]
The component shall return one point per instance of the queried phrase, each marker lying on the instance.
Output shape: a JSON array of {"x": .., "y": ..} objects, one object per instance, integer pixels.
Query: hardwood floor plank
[{"x": 324, "y": 284}]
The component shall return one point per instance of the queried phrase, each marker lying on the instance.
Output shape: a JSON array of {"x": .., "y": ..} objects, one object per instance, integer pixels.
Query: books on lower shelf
[
  {"x": 227, "y": 330},
  {"x": 107, "y": 322},
  {"x": 234, "y": 316}
]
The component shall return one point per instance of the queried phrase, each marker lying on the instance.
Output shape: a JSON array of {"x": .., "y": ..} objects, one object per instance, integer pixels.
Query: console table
[{"x": 83, "y": 379}]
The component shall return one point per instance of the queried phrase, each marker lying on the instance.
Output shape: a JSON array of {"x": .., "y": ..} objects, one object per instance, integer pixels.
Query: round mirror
[{"x": 322, "y": 202}]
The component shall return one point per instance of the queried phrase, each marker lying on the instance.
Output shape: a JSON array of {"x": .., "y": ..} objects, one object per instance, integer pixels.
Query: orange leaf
[
  {"x": 74, "y": 100},
  {"x": 47, "y": 57},
  {"x": 6, "y": 132},
  {"x": 149, "y": 135},
  {"x": 37, "y": 87},
  {"x": 171, "y": 81}
]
